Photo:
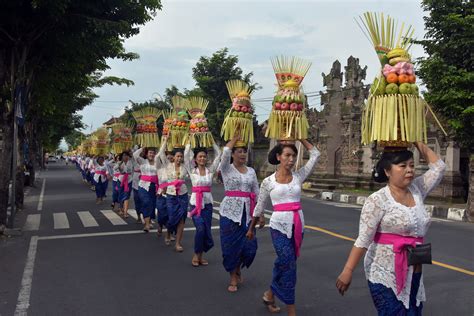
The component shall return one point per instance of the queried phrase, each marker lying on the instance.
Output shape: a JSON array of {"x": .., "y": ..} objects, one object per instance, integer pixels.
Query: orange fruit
[
  {"x": 403, "y": 78},
  {"x": 392, "y": 78},
  {"x": 411, "y": 79}
]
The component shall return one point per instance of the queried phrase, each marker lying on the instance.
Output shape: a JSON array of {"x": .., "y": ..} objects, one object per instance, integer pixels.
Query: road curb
[{"x": 443, "y": 212}]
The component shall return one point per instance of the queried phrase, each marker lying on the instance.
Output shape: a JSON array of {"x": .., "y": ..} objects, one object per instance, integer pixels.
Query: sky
[{"x": 183, "y": 31}]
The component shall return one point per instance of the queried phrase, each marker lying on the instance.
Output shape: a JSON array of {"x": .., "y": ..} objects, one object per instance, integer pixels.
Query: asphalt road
[{"x": 76, "y": 258}]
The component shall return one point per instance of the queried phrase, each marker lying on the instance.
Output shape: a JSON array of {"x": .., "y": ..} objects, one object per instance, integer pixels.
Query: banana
[{"x": 396, "y": 52}]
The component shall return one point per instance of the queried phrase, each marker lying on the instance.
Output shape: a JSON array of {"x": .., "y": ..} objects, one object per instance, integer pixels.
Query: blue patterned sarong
[
  {"x": 203, "y": 238},
  {"x": 122, "y": 195},
  {"x": 100, "y": 188},
  {"x": 148, "y": 200},
  {"x": 137, "y": 201},
  {"x": 237, "y": 250},
  {"x": 162, "y": 210},
  {"x": 177, "y": 207},
  {"x": 115, "y": 192},
  {"x": 386, "y": 301},
  {"x": 284, "y": 269}
]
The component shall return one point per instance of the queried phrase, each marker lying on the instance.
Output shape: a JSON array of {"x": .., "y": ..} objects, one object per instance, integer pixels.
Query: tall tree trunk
[
  {"x": 470, "y": 194},
  {"x": 20, "y": 174},
  {"x": 6, "y": 129}
]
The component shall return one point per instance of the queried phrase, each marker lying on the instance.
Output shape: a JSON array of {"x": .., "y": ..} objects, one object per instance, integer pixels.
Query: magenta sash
[
  {"x": 252, "y": 196},
  {"x": 124, "y": 183},
  {"x": 199, "y": 190},
  {"x": 176, "y": 184},
  {"x": 294, "y": 207},
  {"x": 101, "y": 172},
  {"x": 400, "y": 243},
  {"x": 152, "y": 179}
]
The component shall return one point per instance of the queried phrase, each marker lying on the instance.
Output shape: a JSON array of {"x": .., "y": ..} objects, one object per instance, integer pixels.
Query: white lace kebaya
[
  {"x": 232, "y": 207},
  {"x": 146, "y": 168},
  {"x": 285, "y": 193},
  {"x": 197, "y": 179},
  {"x": 381, "y": 213}
]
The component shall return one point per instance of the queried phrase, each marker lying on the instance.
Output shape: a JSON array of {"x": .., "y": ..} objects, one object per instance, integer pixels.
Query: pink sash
[
  {"x": 400, "y": 244},
  {"x": 252, "y": 196},
  {"x": 294, "y": 207},
  {"x": 199, "y": 190},
  {"x": 152, "y": 179},
  {"x": 124, "y": 183},
  {"x": 176, "y": 183},
  {"x": 101, "y": 172}
]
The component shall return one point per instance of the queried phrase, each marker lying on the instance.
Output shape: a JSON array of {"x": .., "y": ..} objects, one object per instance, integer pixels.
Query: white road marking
[
  {"x": 41, "y": 197},
  {"x": 87, "y": 219},
  {"x": 32, "y": 222},
  {"x": 60, "y": 221},
  {"x": 125, "y": 232},
  {"x": 23, "y": 301},
  {"x": 133, "y": 213},
  {"x": 113, "y": 218}
]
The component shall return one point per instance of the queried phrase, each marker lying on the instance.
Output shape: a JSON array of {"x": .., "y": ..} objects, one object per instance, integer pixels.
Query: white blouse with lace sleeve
[
  {"x": 232, "y": 207},
  {"x": 206, "y": 180},
  {"x": 285, "y": 193},
  {"x": 146, "y": 169},
  {"x": 381, "y": 213}
]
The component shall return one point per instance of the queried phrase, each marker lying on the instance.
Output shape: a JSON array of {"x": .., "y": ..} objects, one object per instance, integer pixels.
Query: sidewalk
[{"x": 458, "y": 213}]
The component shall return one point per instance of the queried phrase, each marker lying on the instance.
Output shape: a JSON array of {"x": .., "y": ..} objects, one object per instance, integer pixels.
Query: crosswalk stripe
[
  {"x": 133, "y": 213},
  {"x": 32, "y": 222},
  {"x": 113, "y": 218},
  {"x": 60, "y": 221},
  {"x": 87, "y": 219}
]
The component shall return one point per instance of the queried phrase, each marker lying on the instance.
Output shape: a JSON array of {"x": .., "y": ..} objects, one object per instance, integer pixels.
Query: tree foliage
[
  {"x": 448, "y": 69},
  {"x": 210, "y": 74}
]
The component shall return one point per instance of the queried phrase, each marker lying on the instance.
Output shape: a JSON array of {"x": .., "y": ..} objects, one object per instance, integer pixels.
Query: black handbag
[{"x": 421, "y": 254}]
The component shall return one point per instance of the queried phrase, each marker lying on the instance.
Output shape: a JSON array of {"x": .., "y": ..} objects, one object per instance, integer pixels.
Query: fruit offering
[
  {"x": 199, "y": 134},
  {"x": 146, "y": 132},
  {"x": 100, "y": 142},
  {"x": 240, "y": 115},
  {"x": 179, "y": 124},
  {"x": 394, "y": 114},
  {"x": 287, "y": 119}
]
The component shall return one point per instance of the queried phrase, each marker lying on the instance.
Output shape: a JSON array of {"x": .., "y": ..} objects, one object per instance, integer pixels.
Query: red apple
[
  {"x": 293, "y": 106},
  {"x": 300, "y": 107},
  {"x": 244, "y": 109},
  {"x": 285, "y": 106},
  {"x": 278, "y": 106},
  {"x": 237, "y": 107}
]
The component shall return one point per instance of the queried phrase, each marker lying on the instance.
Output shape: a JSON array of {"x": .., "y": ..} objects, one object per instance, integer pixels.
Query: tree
[
  {"x": 447, "y": 71},
  {"x": 55, "y": 52},
  {"x": 74, "y": 139},
  {"x": 210, "y": 74}
]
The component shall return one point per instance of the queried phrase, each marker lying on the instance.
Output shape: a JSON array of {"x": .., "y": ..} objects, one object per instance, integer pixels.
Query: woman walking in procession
[
  {"x": 201, "y": 199},
  {"x": 148, "y": 184},
  {"x": 162, "y": 217},
  {"x": 100, "y": 178},
  {"x": 176, "y": 194},
  {"x": 287, "y": 221},
  {"x": 394, "y": 220},
  {"x": 125, "y": 167},
  {"x": 136, "y": 196},
  {"x": 236, "y": 211}
]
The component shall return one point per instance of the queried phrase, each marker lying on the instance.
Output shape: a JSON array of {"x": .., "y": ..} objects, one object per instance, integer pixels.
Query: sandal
[
  {"x": 203, "y": 262},
  {"x": 272, "y": 308},
  {"x": 167, "y": 242},
  {"x": 179, "y": 249},
  {"x": 195, "y": 263},
  {"x": 232, "y": 288}
]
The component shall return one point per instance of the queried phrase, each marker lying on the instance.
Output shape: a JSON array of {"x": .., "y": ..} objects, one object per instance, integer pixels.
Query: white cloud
[{"x": 321, "y": 31}]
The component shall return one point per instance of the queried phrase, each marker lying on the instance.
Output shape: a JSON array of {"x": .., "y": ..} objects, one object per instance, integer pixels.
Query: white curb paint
[
  {"x": 344, "y": 198},
  {"x": 361, "y": 200},
  {"x": 328, "y": 196},
  {"x": 456, "y": 214}
]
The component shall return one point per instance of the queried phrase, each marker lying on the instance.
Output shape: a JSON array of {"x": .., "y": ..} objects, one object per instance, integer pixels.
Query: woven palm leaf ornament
[
  {"x": 199, "y": 134},
  {"x": 287, "y": 119},
  {"x": 146, "y": 131},
  {"x": 116, "y": 140},
  {"x": 178, "y": 133},
  {"x": 394, "y": 114},
  {"x": 167, "y": 122},
  {"x": 100, "y": 142},
  {"x": 240, "y": 116}
]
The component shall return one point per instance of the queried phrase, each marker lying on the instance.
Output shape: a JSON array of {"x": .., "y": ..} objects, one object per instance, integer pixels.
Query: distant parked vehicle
[{"x": 52, "y": 159}]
